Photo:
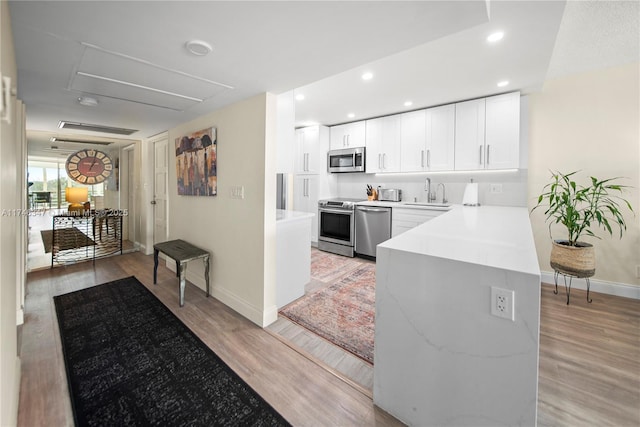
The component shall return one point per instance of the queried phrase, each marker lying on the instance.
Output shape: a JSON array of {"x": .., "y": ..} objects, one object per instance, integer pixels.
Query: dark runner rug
[
  {"x": 130, "y": 361},
  {"x": 67, "y": 238}
]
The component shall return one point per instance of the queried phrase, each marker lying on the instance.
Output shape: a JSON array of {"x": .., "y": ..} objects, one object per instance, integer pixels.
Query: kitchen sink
[{"x": 429, "y": 205}]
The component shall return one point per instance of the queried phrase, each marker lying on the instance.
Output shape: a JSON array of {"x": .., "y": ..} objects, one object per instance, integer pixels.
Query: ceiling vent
[
  {"x": 80, "y": 141},
  {"x": 95, "y": 128}
]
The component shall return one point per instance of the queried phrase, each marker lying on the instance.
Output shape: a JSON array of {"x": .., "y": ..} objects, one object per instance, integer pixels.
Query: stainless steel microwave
[{"x": 346, "y": 160}]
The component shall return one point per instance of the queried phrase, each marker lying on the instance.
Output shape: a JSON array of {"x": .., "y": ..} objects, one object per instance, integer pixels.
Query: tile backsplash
[{"x": 495, "y": 188}]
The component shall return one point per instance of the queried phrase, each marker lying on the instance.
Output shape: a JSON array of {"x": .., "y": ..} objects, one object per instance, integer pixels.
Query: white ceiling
[{"x": 430, "y": 52}]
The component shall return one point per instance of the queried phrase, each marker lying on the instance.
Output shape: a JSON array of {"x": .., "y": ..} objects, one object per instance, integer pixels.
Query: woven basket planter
[{"x": 578, "y": 261}]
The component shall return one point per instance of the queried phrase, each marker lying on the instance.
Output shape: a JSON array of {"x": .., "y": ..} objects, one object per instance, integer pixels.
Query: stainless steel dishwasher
[{"x": 373, "y": 226}]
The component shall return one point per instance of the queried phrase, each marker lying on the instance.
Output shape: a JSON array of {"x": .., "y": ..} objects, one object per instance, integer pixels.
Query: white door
[
  {"x": 469, "y": 146},
  {"x": 413, "y": 130},
  {"x": 503, "y": 131},
  {"x": 131, "y": 219},
  {"x": 160, "y": 197},
  {"x": 440, "y": 137}
]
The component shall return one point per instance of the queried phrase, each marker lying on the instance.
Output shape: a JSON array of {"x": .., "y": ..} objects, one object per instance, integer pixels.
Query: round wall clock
[{"x": 89, "y": 166}]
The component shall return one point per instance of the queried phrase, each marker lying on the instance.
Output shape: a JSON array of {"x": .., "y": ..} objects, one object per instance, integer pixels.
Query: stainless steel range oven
[{"x": 336, "y": 226}]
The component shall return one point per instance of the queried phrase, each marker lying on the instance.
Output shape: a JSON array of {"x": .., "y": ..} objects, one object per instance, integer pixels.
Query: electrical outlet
[
  {"x": 496, "y": 188},
  {"x": 502, "y": 303}
]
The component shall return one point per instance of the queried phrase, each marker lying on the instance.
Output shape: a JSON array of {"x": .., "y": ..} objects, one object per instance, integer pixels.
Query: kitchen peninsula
[{"x": 441, "y": 357}]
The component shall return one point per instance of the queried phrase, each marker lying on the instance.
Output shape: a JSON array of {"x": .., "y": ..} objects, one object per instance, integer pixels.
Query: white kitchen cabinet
[
  {"x": 502, "y": 131},
  {"x": 427, "y": 142},
  {"x": 488, "y": 133},
  {"x": 349, "y": 135},
  {"x": 413, "y": 133},
  {"x": 403, "y": 219},
  {"x": 440, "y": 138},
  {"x": 469, "y": 141},
  {"x": 383, "y": 144},
  {"x": 312, "y": 144},
  {"x": 305, "y": 199}
]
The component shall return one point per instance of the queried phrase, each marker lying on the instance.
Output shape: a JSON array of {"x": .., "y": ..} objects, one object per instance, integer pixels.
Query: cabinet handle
[
  {"x": 384, "y": 161},
  {"x": 480, "y": 159},
  {"x": 488, "y": 147},
  {"x": 421, "y": 158},
  {"x": 348, "y": 140},
  {"x": 429, "y": 158}
]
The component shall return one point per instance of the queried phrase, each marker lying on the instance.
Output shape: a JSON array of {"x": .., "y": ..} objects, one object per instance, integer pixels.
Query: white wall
[
  {"x": 240, "y": 233},
  {"x": 10, "y": 173},
  {"x": 285, "y": 133},
  {"x": 590, "y": 122}
]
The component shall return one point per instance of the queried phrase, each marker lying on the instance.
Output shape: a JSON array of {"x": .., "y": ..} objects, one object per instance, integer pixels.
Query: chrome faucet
[
  {"x": 444, "y": 198},
  {"x": 427, "y": 187}
]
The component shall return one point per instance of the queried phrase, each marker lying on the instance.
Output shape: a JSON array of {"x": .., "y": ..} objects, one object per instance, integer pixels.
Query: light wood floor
[
  {"x": 333, "y": 357},
  {"x": 305, "y": 393},
  {"x": 589, "y": 355}
]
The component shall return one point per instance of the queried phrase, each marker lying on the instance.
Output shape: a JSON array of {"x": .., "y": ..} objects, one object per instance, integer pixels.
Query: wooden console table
[{"x": 181, "y": 252}]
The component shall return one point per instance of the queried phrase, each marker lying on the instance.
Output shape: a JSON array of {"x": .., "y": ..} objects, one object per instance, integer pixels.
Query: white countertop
[
  {"x": 287, "y": 216},
  {"x": 407, "y": 205},
  {"x": 494, "y": 236}
]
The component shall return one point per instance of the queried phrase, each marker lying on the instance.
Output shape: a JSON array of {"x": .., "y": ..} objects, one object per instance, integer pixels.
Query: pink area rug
[
  {"x": 343, "y": 312},
  {"x": 328, "y": 267}
]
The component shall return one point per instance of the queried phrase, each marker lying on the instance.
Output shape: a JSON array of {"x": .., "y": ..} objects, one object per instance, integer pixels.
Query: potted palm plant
[{"x": 581, "y": 210}]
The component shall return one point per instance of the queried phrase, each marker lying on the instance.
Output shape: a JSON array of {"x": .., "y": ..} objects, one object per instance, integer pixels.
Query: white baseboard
[
  {"x": 257, "y": 316},
  {"x": 609, "y": 288}
]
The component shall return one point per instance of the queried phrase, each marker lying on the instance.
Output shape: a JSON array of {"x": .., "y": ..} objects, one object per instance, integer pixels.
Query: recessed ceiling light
[
  {"x": 367, "y": 76},
  {"x": 198, "y": 47},
  {"x": 351, "y": 115},
  {"x": 503, "y": 83},
  {"x": 497, "y": 36},
  {"x": 299, "y": 97},
  {"x": 87, "y": 101},
  {"x": 408, "y": 103}
]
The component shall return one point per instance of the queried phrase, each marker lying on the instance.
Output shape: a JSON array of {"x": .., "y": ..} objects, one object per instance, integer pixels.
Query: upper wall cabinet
[
  {"x": 413, "y": 137},
  {"x": 383, "y": 144},
  {"x": 469, "y": 145},
  {"x": 348, "y": 135},
  {"x": 440, "y": 138},
  {"x": 311, "y": 147},
  {"x": 502, "y": 131},
  {"x": 488, "y": 133},
  {"x": 428, "y": 139}
]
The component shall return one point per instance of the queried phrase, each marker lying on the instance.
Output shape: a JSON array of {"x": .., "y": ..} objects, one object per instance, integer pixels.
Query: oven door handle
[{"x": 337, "y": 211}]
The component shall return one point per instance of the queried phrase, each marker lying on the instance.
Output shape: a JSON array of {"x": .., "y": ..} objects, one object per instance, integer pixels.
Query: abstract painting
[{"x": 196, "y": 163}]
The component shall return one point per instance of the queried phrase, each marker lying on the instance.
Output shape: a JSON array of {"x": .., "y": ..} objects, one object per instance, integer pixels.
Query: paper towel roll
[{"x": 470, "y": 197}]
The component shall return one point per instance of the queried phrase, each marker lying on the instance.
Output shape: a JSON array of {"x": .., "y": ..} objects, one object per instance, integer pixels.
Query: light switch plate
[{"x": 237, "y": 192}]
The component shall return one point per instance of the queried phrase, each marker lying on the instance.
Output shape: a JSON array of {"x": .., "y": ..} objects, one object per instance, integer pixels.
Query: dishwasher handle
[{"x": 360, "y": 208}]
